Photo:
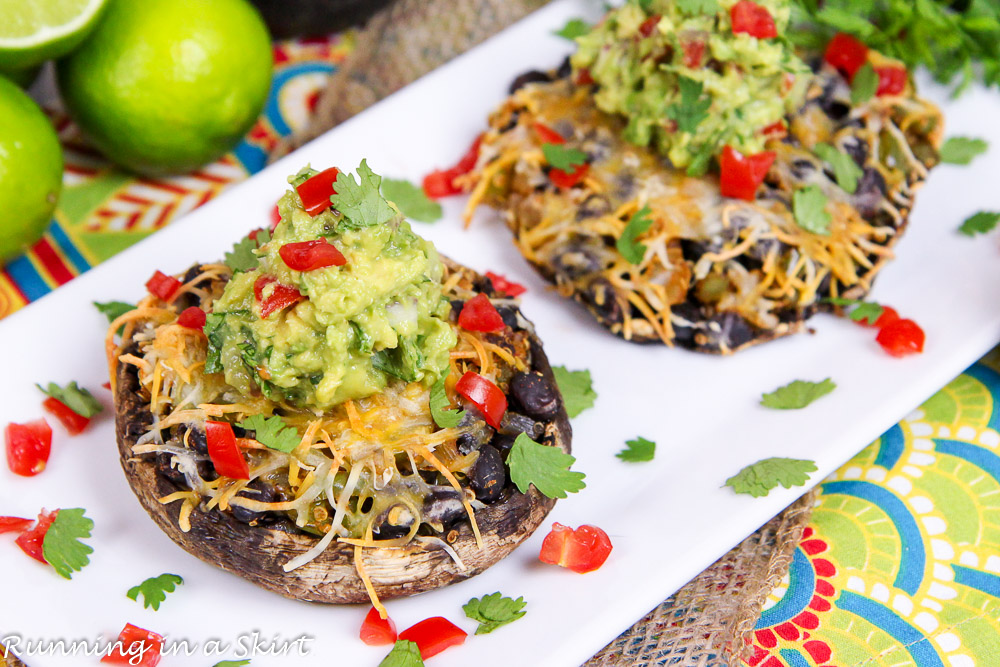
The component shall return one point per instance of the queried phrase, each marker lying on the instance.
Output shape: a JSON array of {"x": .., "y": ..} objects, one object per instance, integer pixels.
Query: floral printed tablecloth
[{"x": 901, "y": 564}]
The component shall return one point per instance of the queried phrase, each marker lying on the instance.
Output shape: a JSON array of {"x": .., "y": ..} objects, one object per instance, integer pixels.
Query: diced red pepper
[
  {"x": 441, "y": 182},
  {"x": 484, "y": 395},
  {"x": 505, "y": 286},
  {"x": 740, "y": 175},
  {"x": 74, "y": 423},
  {"x": 775, "y": 130},
  {"x": 582, "y": 550},
  {"x": 888, "y": 316},
  {"x": 846, "y": 53},
  {"x": 28, "y": 447},
  {"x": 282, "y": 296},
  {"x": 378, "y": 631},
  {"x": 901, "y": 338},
  {"x": 136, "y": 647},
  {"x": 192, "y": 318},
  {"x": 694, "y": 51},
  {"x": 468, "y": 161},
  {"x": 14, "y": 524},
  {"x": 753, "y": 19},
  {"x": 547, "y": 134},
  {"x": 478, "y": 314},
  {"x": 434, "y": 635},
  {"x": 891, "y": 80},
  {"x": 315, "y": 193},
  {"x": 565, "y": 179},
  {"x": 275, "y": 218},
  {"x": 31, "y": 541},
  {"x": 311, "y": 255},
  {"x": 226, "y": 456},
  {"x": 583, "y": 77},
  {"x": 162, "y": 286},
  {"x": 649, "y": 25}
]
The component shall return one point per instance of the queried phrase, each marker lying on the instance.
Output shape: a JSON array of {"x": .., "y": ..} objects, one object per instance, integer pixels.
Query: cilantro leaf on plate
[
  {"x": 242, "y": 257},
  {"x": 638, "y": 450},
  {"x": 980, "y": 223},
  {"x": 962, "y": 150},
  {"x": 444, "y": 416},
  {"x": 77, "y": 399},
  {"x": 575, "y": 27},
  {"x": 757, "y": 479},
  {"x": 809, "y": 207},
  {"x": 562, "y": 157},
  {"x": 797, "y": 394},
  {"x": 864, "y": 85},
  {"x": 545, "y": 467},
  {"x": 861, "y": 311},
  {"x": 577, "y": 389},
  {"x": 62, "y": 548},
  {"x": 232, "y": 663},
  {"x": 411, "y": 200},
  {"x": 845, "y": 169},
  {"x": 273, "y": 432},
  {"x": 154, "y": 590},
  {"x": 360, "y": 201},
  {"x": 494, "y": 610},
  {"x": 403, "y": 654},
  {"x": 627, "y": 245},
  {"x": 692, "y": 107}
]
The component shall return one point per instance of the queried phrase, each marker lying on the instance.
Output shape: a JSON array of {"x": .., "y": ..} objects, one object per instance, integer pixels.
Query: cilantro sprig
[
  {"x": 575, "y": 27},
  {"x": 360, "y": 201},
  {"x": 232, "y": 663},
  {"x": 866, "y": 312},
  {"x": 845, "y": 169},
  {"x": 962, "y": 150},
  {"x": 273, "y": 432},
  {"x": 757, "y": 479},
  {"x": 62, "y": 548},
  {"x": 544, "y": 467},
  {"x": 444, "y": 416},
  {"x": 980, "y": 223},
  {"x": 627, "y": 243},
  {"x": 243, "y": 256},
  {"x": 864, "y": 85},
  {"x": 403, "y": 654},
  {"x": 809, "y": 208},
  {"x": 154, "y": 590},
  {"x": 692, "y": 108},
  {"x": 562, "y": 157},
  {"x": 113, "y": 309},
  {"x": 411, "y": 200},
  {"x": 797, "y": 394},
  {"x": 493, "y": 611},
  {"x": 577, "y": 389},
  {"x": 638, "y": 450},
  {"x": 76, "y": 398}
]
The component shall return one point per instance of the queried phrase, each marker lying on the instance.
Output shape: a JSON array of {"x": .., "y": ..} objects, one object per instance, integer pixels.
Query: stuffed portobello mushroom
[
  {"x": 693, "y": 180},
  {"x": 329, "y": 413}
]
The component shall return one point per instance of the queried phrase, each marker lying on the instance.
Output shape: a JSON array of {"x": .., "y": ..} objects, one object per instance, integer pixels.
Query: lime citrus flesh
[
  {"x": 166, "y": 86},
  {"x": 33, "y": 31},
  {"x": 30, "y": 170}
]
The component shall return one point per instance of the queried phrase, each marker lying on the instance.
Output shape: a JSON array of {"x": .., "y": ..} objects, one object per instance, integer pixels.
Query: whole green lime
[
  {"x": 30, "y": 170},
  {"x": 166, "y": 86}
]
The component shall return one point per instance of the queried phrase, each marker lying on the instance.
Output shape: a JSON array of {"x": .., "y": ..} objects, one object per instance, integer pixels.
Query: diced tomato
[
  {"x": 434, "y": 635},
  {"x": 107, "y": 385},
  {"x": 282, "y": 296},
  {"x": 484, "y": 395},
  {"x": 649, "y": 25},
  {"x": 226, "y": 456},
  {"x": 468, "y": 161},
  {"x": 28, "y": 447},
  {"x": 694, "y": 51},
  {"x": 74, "y": 423},
  {"x": 888, "y": 316},
  {"x": 846, "y": 54},
  {"x": 13, "y": 524},
  {"x": 891, "y": 80},
  {"x": 505, "y": 286},
  {"x": 740, "y": 175},
  {"x": 136, "y": 647},
  {"x": 582, "y": 550},
  {"x": 478, "y": 314},
  {"x": 547, "y": 134},
  {"x": 751, "y": 18},
  {"x": 378, "y": 631},
  {"x": 275, "y": 218},
  {"x": 775, "y": 130},
  {"x": 163, "y": 286},
  {"x": 315, "y": 193},
  {"x": 565, "y": 179},
  {"x": 441, "y": 182},
  {"x": 31, "y": 541},
  {"x": 311, "y": 255},
  {"x": 901, "y": 338},
  {"x": 583, "y": 77},
  {"x": 192, "y": 318}
]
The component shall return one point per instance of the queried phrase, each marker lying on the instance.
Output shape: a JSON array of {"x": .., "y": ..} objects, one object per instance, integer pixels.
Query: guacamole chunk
[
  {"x": 379, "y": 316},
  {"x": 687, "y": 84}
]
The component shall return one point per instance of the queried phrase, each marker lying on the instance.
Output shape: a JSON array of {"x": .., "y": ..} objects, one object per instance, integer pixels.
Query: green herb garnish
[
  {"x": 494, "y": 610},
  {"x": 692, "y": 107},
  {"x": 980, "y": 223},
  {"x": 272, "y": 432},
  {"x": 796, "y": 395},
  {"x": 757, "y": 479},
  {"x": 962, "y": 150},
  {"x": 154, "y": 590},
  {"x": 638, "y": 450},
  {"x": 62, "y": 548},
  {"x": 546, "y": 468},
  {"x": 563, "y": 158},
  {"x": 809, "y": 207},
  {"x": 577, "y": 389},
  {"x": 411, "y": 200},
  {"x": 574, "y": 28},
  {"x": 627, "y": 245},
  {"x": 845, "y": 169},
  {"x": 77, "y": 399}
]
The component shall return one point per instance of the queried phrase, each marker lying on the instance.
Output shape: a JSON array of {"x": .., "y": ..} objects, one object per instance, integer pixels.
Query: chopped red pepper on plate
[
  {"x": 192, "y": 318},
  {"x": 485, "y": 395},
  {"x": 753, "y": 19},
  {"x": 846, "y": 54},
  {"x": 441, "y": 182},
  {"x": 582, "y": 550},
  {"x": 311, "y": 255},
  {"x": 505, "y": 286},
  {"x": 315, "y": 193},
  {"x": 163, "y": 286},
  {"x": 434, "y": 635},
  {"x": 14, "y": 524},
  {"x": 567, "y": 179},
  {"x": 281, "y": 297},
  {"x": 891, "y": 80},
  {"x": 478, "y": 314},
  {"x": 740, "y": 175},
  {"x": 31, "y": 541},
  {"x": 73, "y": 422},
  {"x": 28, "y": 447},
  {"x": 901, "y": 337},
  {"x": 226, "y": 456},
  {"x": 378, "y": 631},
  {"x": 136, "y": 647}
]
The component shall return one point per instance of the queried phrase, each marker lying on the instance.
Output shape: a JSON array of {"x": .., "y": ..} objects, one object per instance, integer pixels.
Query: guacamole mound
[
  {"x": 685, "y": 83},
  {"x": 380, "y": 316}
]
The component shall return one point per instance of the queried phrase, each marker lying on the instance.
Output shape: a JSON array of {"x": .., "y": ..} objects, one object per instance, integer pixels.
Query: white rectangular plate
[{"x": 668, "y": 519}]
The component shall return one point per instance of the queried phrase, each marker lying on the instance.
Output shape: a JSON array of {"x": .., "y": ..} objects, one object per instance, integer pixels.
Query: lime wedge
[{"x": 33, "y": 31}]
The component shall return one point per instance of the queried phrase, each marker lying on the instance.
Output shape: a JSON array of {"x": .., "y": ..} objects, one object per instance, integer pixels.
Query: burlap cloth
[{"x": 710, "y": 620}]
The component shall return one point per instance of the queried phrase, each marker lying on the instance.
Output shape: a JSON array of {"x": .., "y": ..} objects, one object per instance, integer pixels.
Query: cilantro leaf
[
  {"x": 242, "y": 257},
  {"x": 692, "y": 108},
  {"x": 214, "y": 322},
  {"x": 154, "y": 590},
  {"x": 845, "y": 169},
  {"x": 638, "y": 450},
  {"x": 862, "y": 311},
  {"x": 697, "y": 6},
  {"x": 757, "y": 479},
  {"x": 403, "y": 654},
  {"x": 962, "y": 150},
  {"x": 562, "y": 157},
  {"x": 359, "y": 200},
  {"x": 273, "y": 432},
  {"x": 302, "y": 175},
  {"x": 864, "y": 85},
  {"x": 809, "y": 207},
  {"x": 545, "y": 467},
  {"x": 575, "y": 27},
  {"x": 493, "y": 611},
  {"x": 797, "y": 394},
  {"x": 443, "y": 415},
  {"x": 62, "y": 548},
  {"x": 411, "y": 200},
  {"x": 627, "y": 245},
  {"x": 576, "y": 388},
  {"x": 77, "y": 399},
  {"x": 232, "y": 663},
  {"x": 113, "y": 309},
  {"x": 980, "y": 223}
]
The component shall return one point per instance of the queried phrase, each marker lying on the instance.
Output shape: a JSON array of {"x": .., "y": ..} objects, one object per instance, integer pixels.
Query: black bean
[
  {"x": 531, "y": 76},
  {"x": 165, "y": 469},
  {"x": 593, "y": 206},
  {"x": 535, "y": 395},
  {"x": 442, "y": 507},
  {"x": 502, "y": 443},
  {"x": 870, "y": 193},
  {"x": 802, "y": 168},
  {"x": 856, "y": 148},
  {"x": 509, "y": 316},
  {"x": 489, "y": 476},
  {"x": 395, "y": 521},
  {"x": 475, "y": 438},
  {"x": 512, "y": 121},
  {"x": 514, "y": 424},
  {"x": 260, "y": 490},
  {"x": 578, "y": 258},
  {"x": 565, "y": 69},
  {"x": 602, "y": 298}
]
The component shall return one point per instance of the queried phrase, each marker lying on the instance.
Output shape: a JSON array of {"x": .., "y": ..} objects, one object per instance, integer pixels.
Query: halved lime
[{"x": 33, "y": 31}]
